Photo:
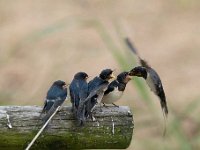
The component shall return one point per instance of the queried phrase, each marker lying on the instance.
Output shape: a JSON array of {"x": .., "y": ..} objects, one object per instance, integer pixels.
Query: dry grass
[{"x": 42, "y": 41}]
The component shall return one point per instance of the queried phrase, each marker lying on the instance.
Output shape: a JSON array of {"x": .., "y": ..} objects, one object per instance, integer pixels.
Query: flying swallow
[{"x": 151, "y": 76}]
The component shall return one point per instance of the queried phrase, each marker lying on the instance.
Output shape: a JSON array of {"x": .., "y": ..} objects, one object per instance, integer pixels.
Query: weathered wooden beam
[{"x": 112, "y": 129}]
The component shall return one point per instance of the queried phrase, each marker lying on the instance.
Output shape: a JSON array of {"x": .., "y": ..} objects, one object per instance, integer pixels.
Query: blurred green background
[{"x": 42, "y": 41}]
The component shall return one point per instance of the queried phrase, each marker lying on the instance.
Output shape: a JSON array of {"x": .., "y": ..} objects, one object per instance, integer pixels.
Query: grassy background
[{"x": 42, "y": 41}]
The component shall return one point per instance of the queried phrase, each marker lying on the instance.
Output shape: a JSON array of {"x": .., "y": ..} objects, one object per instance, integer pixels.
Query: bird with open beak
[
  {"x": 116, "y": 89},
  {"x": 97, "y": 83},
  {"x": 56, "y": 96},
  {"x": 78, "y": 92}
]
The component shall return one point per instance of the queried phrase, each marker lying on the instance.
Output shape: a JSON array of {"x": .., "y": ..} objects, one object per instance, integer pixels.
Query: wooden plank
[{"x": 113, "y": 128}]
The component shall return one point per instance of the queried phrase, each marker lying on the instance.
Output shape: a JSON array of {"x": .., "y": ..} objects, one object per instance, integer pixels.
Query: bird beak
[
  {"x": 86, "y": 77},
  {"x": 112, "y": 76},
  {"x": 64, "y": 86},
  {"x": 128, "y": 77},
  {"x": 131, "y": 73}
]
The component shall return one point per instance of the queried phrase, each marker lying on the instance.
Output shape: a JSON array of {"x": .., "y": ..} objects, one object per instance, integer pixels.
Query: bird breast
[{"x": 112, "y": 97}]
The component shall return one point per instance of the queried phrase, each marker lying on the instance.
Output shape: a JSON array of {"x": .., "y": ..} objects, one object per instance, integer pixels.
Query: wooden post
[{"x": 112, "y": 129}]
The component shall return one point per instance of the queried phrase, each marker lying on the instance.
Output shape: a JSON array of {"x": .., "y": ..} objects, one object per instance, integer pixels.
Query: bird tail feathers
[
  {"x": 163, "y": 104},
  {"x": 164, "y": 107}
]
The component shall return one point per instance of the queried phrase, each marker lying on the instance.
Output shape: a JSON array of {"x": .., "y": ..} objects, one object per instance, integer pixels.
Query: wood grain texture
[{"x": 113, "y": 128}]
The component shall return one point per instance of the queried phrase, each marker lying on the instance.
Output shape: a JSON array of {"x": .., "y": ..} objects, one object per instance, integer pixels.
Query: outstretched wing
[
  {"x": 155, "y": 82},
  {"x": 159, "y": 91},
  {"x": 130, "y": 45},
  {"x": 134, "y": 50}
]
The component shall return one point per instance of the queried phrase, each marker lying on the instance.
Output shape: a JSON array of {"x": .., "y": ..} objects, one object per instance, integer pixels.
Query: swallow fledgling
[
  {"x": 116, "y": 89},
  {"x": 79, "y": 92},
  {"x": 151, "y": 76},
  {"x": 99, "y": 82},
  {"x": 56, "y": 96}
]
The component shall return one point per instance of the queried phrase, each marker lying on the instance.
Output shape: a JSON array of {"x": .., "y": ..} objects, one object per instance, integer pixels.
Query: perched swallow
[
  {"x": 56, "y": 95},
  {"x": 93, "y": 86},
  {"x": 78, "y": 92},
  {"x": 115, "y": 89},
  {"x": 151, "y": 76}
]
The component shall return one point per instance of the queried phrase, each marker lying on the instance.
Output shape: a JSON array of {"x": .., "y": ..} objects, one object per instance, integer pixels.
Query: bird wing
[
  {"x": 94, "y": 83},
  {"x": 111, "y": 87},
  {"x": 74, "y": 92},
  {"x": 134, "y": 50},
  {"x": 44, "y": 107},
  {"x": 159, "y": 91},
  {"x": 130, "y": 45},
  {"x": 143, "y": 63},
  {"x": 58, "y": 102},
  {"x": 82, "y": 95},
  {"x": 97, "y": 91},
  {"x": 47, "y": 105},
  {"x": 155, "y": 79}
]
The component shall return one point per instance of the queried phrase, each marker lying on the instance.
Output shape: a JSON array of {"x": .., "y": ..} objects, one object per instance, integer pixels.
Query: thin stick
[{"x": 38, "y": 134}]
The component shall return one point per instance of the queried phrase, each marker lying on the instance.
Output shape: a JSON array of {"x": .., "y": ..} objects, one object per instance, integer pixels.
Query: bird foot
[
  {"x": 81, "y": 123},
  {"x": 93, "y": 118},
  {"x": 115, "y": 105},
  {"x": 104, "y": 105}
]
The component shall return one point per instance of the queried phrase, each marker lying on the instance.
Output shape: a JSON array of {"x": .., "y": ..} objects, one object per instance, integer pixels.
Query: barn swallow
[
  {"x": 78, "y": 92},
  {"x": 94, "y": 85},
  {"x": 56, "y": 95},
  {"x": 154, "y": 82},
  {"x": 116, "y": 88},
  {"x": 151, "y": 76}
]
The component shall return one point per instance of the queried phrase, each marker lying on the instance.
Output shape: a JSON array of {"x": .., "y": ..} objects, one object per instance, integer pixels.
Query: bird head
[
  {"x": 107, "y": 74},
  {"x": 123, "y": 77},
  {"x": 139, "y": 72},
  {"x": 60, "y": 84},
  {"x": 81, "y": 76}
]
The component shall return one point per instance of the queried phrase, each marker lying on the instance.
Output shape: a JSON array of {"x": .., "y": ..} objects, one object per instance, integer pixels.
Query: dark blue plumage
[
  {"x": 56, "y": 95},
  {"x": 93, "y": 85},
  {"x": 78, "y": 92}
]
